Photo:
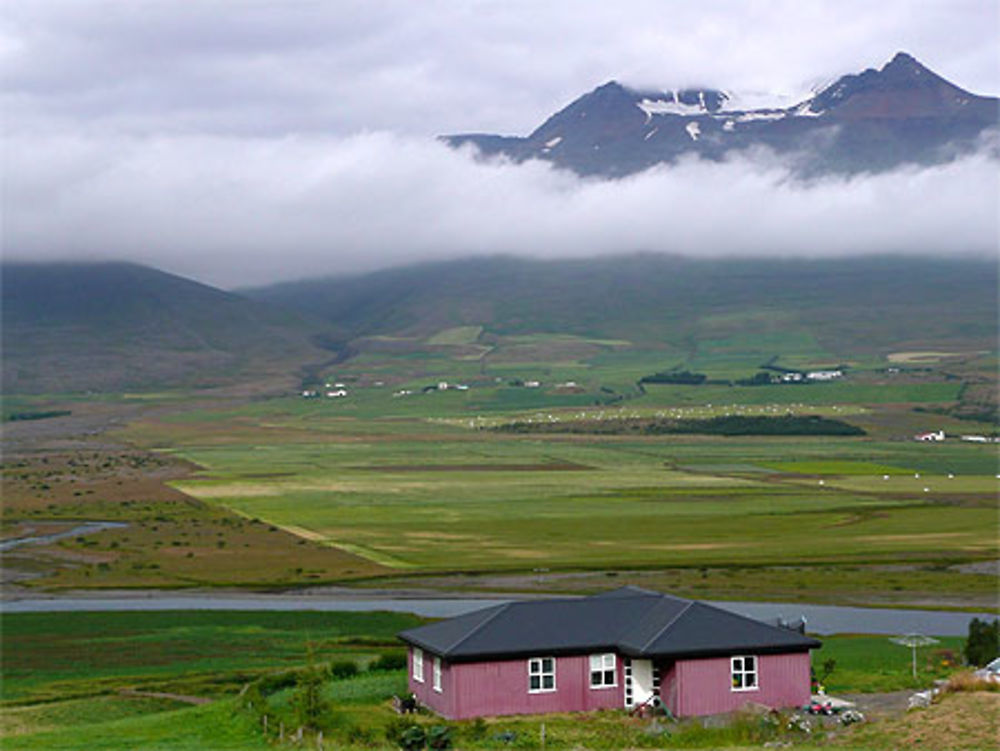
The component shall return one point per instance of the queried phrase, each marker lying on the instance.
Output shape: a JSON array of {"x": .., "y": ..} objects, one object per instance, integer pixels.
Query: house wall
[
  {"x": 443, "y": 701},
  {"x": 500, "y": 687},
  {"x": 703, "y": 687}
]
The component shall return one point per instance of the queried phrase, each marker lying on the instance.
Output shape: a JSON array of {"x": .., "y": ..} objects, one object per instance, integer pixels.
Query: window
[
  {"x": 602, "y": 670},
  {"x": 541, "y": 674},
  {"x": 437, "y": 673},
  {"x": 418, "y": 664},
  {"x": 744, "y": 673}
]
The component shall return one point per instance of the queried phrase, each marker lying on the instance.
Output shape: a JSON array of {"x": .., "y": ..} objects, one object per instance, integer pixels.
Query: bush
[
  {"x": 477, "y": 729},
  {"x": 963, "y": 682},
  {"x": 389, "y": 661},
  {"x": 439, "y": 737},
  {"x": 307, "y": 700},
  {"x": 253, "y": 699},
  {"x": 413, "y": 738},
  {"x": 275, "y": 682},
  {"x": 683, "y": 377},
  {"x": 983, "y": 643},
  {"x": 343, "y": 669}
]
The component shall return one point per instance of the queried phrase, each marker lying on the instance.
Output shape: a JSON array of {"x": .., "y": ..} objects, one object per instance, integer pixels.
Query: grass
[
  {"x": 434, "y": 504},
  {"x": 49, "y": 656},
  {"x": 893, "y": 584},
  {"x": 956, "y": 722},
  {"x": 171, "y": 540},
  {"x": 214, "y": 727},
  {"x": 53, "y": 660},
  {"x": 868, "y": 664}
]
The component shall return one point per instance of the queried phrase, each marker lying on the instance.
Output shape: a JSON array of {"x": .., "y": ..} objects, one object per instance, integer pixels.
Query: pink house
[{"x": 618, "y": 649}]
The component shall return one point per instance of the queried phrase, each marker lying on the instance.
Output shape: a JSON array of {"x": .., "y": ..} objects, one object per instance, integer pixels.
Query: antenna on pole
[{"x": 913, "y": 641}]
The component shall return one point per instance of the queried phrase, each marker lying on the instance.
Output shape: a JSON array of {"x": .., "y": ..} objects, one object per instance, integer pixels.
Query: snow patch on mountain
[
  {"x": 671, "y": 107},
  {"x": 749, "y": 117}
]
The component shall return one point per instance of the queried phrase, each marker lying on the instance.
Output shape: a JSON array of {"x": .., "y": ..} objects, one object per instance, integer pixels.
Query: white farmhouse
[{"x": 824, "y": 375}]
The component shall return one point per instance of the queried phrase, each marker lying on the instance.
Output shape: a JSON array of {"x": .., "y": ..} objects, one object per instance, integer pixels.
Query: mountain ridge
[
  {"x": 869, "y": 121},
  {"x": 650, "y": 297},
  {"x": 108, "y": 326}
]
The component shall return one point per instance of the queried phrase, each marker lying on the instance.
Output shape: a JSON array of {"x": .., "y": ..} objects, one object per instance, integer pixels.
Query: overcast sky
[{"x": 242, "y": 142}]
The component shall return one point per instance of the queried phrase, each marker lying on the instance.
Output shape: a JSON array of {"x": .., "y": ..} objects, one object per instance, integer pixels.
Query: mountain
[
  {"x": 849, "y": 305},
  {"x": 114, "y": 326},
  {"x": 872, "y": 121}
]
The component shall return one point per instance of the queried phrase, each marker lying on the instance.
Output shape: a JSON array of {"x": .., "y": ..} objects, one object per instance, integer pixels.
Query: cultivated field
[{"x": 401, "y": 482}]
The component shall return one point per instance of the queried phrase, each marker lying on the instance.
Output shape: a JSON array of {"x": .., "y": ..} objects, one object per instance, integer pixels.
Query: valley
[{"x": 406, "y": 453}]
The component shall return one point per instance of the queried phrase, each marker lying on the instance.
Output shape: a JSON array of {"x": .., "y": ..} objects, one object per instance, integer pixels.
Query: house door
[{"x": 641, "y": 681}]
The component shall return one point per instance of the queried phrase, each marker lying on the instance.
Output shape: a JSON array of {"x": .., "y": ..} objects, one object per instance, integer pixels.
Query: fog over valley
[{"x": 280, "y": 143}]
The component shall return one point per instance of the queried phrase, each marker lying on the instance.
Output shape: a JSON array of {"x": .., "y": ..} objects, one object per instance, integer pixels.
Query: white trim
[
  {"x": 743, "y": 672},
  {"x": 437, "y": 674},
  {"x": 603, "y": 668},
  {"x": 418, "y": 664},
  {"x": 536, "y": 669}
]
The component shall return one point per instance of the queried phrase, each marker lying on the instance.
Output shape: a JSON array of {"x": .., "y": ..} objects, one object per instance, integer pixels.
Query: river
[
  {"x": 85, "y": 528},
  {"x": 821, "y": 619}
]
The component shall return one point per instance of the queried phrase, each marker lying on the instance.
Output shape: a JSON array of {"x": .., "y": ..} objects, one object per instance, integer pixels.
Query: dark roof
[{"x": 632, "y": 621}]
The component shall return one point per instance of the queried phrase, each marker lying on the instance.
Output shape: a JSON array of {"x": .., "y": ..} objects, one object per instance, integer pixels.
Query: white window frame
[
  {"x": 536, "y": 669},
  {"x": 602, "y": 664},
  {"x": 437, "y": 674},
  {"x": 741, "y": 677},
  {"x": 418, "y": 664}
]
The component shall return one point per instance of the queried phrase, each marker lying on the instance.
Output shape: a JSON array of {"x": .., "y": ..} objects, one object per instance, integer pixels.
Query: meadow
[
  {"x": 170, "y": 681},
  {"x": 401, "y": 481},
  {"x": 417, "y": 490},
  {"x": 420, "y": 486}
]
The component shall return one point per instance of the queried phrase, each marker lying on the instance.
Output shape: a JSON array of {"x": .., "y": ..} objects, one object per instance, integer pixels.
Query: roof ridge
[
  {"x": 497, "y": 612},
  {"x": 669, "y": 623}
]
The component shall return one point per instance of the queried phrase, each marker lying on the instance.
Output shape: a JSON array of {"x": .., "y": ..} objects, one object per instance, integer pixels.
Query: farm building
[{"x": 623, "y": 648}]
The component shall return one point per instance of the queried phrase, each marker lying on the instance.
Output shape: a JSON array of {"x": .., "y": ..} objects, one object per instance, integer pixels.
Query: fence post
[
  {"x": 281, "y": 731},
  {"x": 319, "y": 740},
  {"x": 265, "y": 724}
]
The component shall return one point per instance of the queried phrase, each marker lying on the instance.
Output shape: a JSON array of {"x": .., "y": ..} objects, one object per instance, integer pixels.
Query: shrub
[
  {"x": 389, "y": 661},
  {"x": 439, "y": 737},
  {"x": 307, "y": 700},
  {"x": 253, "y": 699},
  {"x": 413, "y": 738},
  {"x": 961, "y": 682},
  {"x": 395, "y": 728},
  {"x": 343, "y": 669},
  {"x": 983, "y": 643},
  {"x": 477, "y": 729}
]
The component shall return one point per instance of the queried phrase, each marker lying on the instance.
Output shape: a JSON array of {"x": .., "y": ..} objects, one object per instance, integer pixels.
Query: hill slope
[
  {"x": 872, "y": 121},
  {"x": 849, "y": 305},
  {"x": 111, "y": 326}
]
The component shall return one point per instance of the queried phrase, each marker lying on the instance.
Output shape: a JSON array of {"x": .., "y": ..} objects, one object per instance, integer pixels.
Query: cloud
[
  {"x": 440, "y": 66},
  {"x": 246, "y": 141},
  {"x": 253, "y": 210}
]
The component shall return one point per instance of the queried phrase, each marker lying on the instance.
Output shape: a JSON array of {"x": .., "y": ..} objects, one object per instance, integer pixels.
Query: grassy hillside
[
  {"x": 101, "y": 327},
  {"x": 841, "y": 307}
]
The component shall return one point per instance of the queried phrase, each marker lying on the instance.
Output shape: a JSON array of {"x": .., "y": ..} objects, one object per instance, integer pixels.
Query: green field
[
  {"x": 87, "y": 654},
  {"x": 435, "y": 495},
  {"x": 76, "y": 680}
]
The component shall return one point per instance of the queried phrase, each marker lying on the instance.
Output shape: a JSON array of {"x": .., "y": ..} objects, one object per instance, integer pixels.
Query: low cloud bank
[{"x": 243, "y": 211}]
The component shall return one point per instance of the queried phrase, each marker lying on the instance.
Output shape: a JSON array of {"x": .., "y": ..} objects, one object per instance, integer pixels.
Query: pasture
[{"x": 422, "y": 490}]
